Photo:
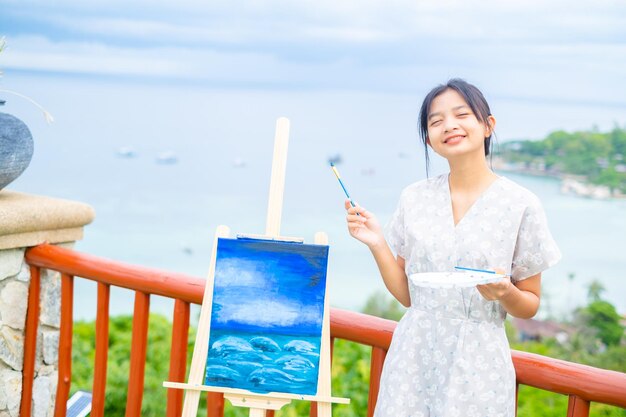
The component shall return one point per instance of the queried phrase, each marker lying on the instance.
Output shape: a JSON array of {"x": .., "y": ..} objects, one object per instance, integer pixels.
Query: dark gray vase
[{"x": 16, "y": 148}]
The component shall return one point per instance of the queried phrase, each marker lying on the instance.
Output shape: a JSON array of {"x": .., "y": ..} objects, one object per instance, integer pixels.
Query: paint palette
[{"x": 453, "y": 279}]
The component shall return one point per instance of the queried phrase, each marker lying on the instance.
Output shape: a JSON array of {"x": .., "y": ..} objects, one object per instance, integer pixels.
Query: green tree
[
  {"x": 511, "y": 332},
  {"x": 381, "y": 304},
  {"x": 592, "y": 154},
  {"x": 614, "y": 358},
  {"x": 120, "y": 334},
  {"x": 618, "y": 141},
  {"x": 533, "y": 402},
  {"x": 595, "y": 290},
  {"x": 611, "y": 178},
  {"x": 602, "y": 316},
  {"x": 534, "y": 148}
]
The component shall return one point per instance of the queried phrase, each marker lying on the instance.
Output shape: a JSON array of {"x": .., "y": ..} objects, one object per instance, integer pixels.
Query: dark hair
[{"x": 472, "y": 96}]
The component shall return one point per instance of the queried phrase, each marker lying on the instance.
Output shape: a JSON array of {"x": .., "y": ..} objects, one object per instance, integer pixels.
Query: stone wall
[
  {"x": 14, "y": 280},
  {"x": 26, "y": 221}
]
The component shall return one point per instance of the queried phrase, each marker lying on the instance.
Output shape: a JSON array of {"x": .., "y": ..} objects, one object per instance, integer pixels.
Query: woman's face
[{"x": 453, "y": 129}]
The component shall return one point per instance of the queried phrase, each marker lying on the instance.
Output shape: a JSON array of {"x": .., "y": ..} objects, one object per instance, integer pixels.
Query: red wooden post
[
  {"x": 577, "y": 407},
  {"x": 138, "y": 348},
  {"x": 102, "y": 350},
  {"x": 178, "y": 357},
  {"x": 214, "y": 404},
  {"x": 376, "y": 369}
]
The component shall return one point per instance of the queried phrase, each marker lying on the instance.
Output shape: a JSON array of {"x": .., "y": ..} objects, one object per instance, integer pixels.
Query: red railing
[{"x": 583, "y": 384}]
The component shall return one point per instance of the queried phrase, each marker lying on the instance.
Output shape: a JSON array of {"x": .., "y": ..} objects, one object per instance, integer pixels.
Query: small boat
[
  {"x": 167, "y": 158},
  {"x": 239, "y": 163},
  {"x": 126, "y": 152}
]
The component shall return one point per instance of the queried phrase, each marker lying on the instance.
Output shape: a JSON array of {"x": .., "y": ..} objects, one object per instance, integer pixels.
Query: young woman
[{"x": 449, "y": 355}]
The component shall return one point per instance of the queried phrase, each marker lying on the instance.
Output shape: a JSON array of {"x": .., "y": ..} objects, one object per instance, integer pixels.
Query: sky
[
  {"x": 559, "y": 52},
  {"x": 207, "y": 80},
  {"x": 269, "y": 285}
]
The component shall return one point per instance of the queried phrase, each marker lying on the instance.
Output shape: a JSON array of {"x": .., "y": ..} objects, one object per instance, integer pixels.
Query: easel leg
[
  {"x": 324, "y": 409},
  {"x": 190, "y": 407},
  {"x": 257, "y": 412}
]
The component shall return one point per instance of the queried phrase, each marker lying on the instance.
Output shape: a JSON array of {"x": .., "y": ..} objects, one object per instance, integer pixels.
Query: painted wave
[{"x": 263, "y": 364}]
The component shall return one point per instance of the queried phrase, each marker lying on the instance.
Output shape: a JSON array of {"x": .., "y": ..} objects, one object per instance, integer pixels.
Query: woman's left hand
[{"x": 496, "y": 290}]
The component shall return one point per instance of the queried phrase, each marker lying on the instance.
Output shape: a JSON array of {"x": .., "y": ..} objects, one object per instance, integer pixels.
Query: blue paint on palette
[{"x": 267, "y": 312}]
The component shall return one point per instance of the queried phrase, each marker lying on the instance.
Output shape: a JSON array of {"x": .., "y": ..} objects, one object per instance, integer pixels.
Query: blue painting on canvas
[{"x": 267, "y": 313}]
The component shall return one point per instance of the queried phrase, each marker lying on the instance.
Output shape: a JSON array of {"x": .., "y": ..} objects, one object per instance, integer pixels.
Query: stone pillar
[{"x": 28, "y": 220}]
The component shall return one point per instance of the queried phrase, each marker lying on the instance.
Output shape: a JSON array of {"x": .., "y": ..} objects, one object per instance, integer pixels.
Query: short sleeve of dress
[
  {"x": 535, "y": 249},
  {"x": 395, "y": 230}
]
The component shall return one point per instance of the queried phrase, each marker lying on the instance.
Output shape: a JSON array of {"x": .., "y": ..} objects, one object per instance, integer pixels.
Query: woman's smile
[{"x": 454, "y": 139}]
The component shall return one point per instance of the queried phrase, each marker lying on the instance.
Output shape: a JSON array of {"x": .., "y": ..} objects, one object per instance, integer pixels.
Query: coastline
[{"x": 577, "y": 185}]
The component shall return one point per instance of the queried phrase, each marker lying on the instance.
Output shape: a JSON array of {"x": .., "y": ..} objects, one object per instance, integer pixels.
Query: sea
[{"x": 164, "y": 164}]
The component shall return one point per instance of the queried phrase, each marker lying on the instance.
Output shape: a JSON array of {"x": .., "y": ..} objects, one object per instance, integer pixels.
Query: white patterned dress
[{"x": 449, "y": 355}]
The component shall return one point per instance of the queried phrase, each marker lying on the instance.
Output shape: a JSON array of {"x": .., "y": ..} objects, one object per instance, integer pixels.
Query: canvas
[{"x": 266, "y": 317}]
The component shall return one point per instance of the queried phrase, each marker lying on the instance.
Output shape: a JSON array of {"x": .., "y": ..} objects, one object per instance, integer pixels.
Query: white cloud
[
  {"x": 238, "y": 273},
  {"x": 251, "y": 23},
  {"x": 369, "y": 45},
  {"x": 36, "y": 53},
  {"x": 228, "y": 68},
  {"x": 153, "y": 31},
  {"x": 348, "y": 34},
  {"x": 269, "y": 312}
]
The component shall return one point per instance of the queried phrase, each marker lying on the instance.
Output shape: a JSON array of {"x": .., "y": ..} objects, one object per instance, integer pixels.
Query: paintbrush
[
  {"x": 334, "y": 168},
  {"x": 486, "y": 271}
]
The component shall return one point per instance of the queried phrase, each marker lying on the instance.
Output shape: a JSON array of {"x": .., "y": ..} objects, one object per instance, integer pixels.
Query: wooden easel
[{"x": 259, "y": 403}]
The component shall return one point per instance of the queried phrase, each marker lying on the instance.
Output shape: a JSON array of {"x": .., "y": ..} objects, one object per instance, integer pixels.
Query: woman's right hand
[{"x": 363, "y": 227}]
